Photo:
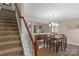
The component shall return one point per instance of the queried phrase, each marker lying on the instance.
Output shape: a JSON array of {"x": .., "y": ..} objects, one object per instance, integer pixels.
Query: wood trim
[{"x": 35, "y": 46}]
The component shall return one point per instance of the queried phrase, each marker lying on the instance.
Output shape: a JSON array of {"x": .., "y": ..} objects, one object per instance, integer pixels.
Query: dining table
[{"x": 55, "y": 42}]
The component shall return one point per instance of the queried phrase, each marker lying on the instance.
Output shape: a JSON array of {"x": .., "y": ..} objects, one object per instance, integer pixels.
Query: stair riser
[
  {"x": 3, "y": 33},
  {"x": 17, "y": 53},
  {"x": 7, "y": 18},
  {"x": 2, "y": 13},
  {"x": 10, "y": 16},
  {"x": 7, "y": 11},
  {"x": 8, "y": 25},
  {"x": 9, "y": 29},
  {"x": 8, "y": 21},
  {"x": 9, "y": 39},
  {"x": 9, "y": 45},
  {"x": 7, "y": 14},
  {"x": 13, "y": 53}
]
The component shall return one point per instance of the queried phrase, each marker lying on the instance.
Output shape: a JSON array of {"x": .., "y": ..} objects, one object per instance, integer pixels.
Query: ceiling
[{"x": 47, "y": 12}]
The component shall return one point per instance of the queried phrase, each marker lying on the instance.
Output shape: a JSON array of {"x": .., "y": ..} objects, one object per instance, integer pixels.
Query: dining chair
[
  {"x": 47, "y": 41},
  {"x": 62, "y": 42},
  {"x": 40, "y": 39}
]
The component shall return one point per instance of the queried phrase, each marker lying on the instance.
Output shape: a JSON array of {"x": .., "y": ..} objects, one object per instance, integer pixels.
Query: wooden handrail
[{"x": 30, "y": 35}]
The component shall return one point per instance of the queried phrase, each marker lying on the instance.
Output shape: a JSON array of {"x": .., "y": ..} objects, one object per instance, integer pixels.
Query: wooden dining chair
[
  {"x": 62, "y": 42},
  {"x": 40, "y": 39},
  {"x": 52, "y": 42},
  {"x": 47, "y": 41}
]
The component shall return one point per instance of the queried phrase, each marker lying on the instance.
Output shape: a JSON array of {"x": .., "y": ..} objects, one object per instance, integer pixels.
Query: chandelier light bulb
[
  {"x": 52, "y": 23},
  {"x": 49, "y": 25},
  {"x": 56, "y": 24}
]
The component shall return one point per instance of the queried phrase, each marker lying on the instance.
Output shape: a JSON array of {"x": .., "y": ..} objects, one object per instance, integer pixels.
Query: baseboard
[{"x": 73, "y": 43}]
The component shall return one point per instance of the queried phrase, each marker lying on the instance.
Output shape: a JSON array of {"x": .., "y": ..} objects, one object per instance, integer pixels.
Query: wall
[
  {"x": 71, "y": 29},
  {"x": 7, "y": 7},
  {"x": 26, "y": 41},
  {"x": 20, "y": 6}
]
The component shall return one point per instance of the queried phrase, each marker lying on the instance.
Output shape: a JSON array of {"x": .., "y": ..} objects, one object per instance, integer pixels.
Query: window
[{"x": 55, "y": 27}]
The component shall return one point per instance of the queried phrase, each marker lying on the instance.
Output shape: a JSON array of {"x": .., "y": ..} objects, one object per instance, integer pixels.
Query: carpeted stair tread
[
  {"x": 11, "y": 44},
  {"x": 8, "y": 21},
  {"x": 6, "y": 33},
  {"x": 9, "y": 38},
  {"x": 7, "y": 14},
  {"x": 12, "y": 52},
  {"x": 8, "y": 28},
  {"x": 8, "y": 24},
  {"x": 4, "y": 17},
  {"x": 7, "y": 17},
  {"x": 5, "y": 10}
]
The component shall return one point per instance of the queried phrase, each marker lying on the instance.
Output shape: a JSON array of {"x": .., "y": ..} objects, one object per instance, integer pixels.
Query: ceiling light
[
  {"x": 49, "y": 25},
  {"x": 56, "y": 24}
]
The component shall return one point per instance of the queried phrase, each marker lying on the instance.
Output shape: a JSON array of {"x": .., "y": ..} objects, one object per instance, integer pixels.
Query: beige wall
[
  {"x": 26, "y": 42},
  {"x": 19, "y": 6},
  {"x": 71, "y": 29}
]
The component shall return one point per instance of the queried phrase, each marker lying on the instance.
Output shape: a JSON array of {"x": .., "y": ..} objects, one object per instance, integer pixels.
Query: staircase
[{"x": 10, "y": 43}]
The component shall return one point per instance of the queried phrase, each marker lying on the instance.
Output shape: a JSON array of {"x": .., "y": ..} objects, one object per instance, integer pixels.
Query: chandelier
[{"x": 53, "y": 23}]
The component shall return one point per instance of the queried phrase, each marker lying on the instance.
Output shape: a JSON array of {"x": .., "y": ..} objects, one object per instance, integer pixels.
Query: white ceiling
[{"x": 43, "y": 12}]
